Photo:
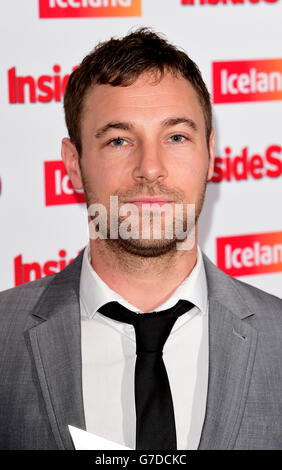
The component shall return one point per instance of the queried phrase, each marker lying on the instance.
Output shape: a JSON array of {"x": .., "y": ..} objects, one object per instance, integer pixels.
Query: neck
[{"x": 144, "y": 282}]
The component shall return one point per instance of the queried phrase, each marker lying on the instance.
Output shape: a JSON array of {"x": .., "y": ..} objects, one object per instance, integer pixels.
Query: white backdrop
[{"x": 244, "y": 37}]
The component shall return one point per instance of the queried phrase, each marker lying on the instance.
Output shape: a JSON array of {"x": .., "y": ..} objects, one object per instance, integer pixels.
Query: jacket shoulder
[
  {"x": 236, "y": 295},
  {"x": 266, "y": 307},
  {"x": 21, "y": 299},
  {"x": 18, "y": 302},
  {"x": 44, "y": 281},
  {"x": 26, "y": 289},
  {"x": 258, "y": 296}
]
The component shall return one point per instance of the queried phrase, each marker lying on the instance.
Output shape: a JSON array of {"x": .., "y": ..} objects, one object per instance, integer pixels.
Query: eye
[
  {"x": 177, "y": 138},
  {"x": 118, "y": 142}
]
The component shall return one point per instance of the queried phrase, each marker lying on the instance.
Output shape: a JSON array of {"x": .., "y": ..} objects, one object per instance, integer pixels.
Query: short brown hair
[{"x": 119, "y": 62}]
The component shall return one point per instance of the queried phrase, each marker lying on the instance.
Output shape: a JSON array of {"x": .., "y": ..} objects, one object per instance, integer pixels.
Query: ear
[
  {"x": 71, "y": 161},
  {"x": 211, "y": 161}
]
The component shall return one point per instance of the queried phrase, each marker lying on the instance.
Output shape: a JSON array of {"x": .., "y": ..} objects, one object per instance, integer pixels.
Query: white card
[{"x": 84, "y": 440}]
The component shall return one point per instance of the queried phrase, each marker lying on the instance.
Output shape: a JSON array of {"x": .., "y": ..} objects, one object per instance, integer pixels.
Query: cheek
[
  {"x": 192, "y": 171},
  {"x": 106, "y": 178}
]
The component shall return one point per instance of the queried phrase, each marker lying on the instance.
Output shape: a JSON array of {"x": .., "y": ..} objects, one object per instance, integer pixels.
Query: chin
[{"x": 144, "y": 248}]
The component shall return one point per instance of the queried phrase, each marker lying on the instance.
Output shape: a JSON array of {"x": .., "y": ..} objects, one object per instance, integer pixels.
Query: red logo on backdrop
[
  {"x": 25, "y": 272},
  {"x": 246, "y": 165},
  {"x": 244, "y": 255},
  {"x": 43, "y": 89},
  {"x": 247, "y": 80},
  {"x": 88, "y": 8},
  {"x": 58, "y": 187},
  {"x": 225, "y": 2}
]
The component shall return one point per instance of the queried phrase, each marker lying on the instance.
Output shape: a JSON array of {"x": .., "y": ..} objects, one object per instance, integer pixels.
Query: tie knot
[
  {"x": 151, "y": 334},
  {"x": 151, "y": 329}
]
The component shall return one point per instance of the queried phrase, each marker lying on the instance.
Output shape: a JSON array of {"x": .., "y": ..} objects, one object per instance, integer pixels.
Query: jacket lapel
[
  {"x": 54, "y": 338},
  {"x": 232, "y": 346}
]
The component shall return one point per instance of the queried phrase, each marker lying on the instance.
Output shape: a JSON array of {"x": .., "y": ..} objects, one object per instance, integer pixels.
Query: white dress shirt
[{"x": 108, "y": 360}]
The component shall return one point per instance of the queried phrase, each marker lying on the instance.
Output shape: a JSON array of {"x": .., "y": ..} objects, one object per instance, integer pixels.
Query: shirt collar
[{"x": 94, "y": 292}]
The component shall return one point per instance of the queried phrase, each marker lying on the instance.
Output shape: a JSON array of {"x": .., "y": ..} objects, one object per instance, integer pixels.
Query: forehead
[{"x": 147, "y": 98}]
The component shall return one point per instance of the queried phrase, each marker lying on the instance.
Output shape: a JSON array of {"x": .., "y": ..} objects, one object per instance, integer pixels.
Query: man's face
[{"x": 144, "y": 143}]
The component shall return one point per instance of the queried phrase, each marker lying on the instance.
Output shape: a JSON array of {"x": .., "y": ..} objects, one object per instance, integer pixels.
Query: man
[{"x": 139, "y": 122}]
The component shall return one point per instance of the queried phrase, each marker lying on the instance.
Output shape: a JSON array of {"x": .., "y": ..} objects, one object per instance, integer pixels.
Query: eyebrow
[
  {"x": 179, "y": 120},
  {"x": 127, "y": 126}
]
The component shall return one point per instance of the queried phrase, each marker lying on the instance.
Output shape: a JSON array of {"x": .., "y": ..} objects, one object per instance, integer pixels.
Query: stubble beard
[{"x": 140, "y": 247}]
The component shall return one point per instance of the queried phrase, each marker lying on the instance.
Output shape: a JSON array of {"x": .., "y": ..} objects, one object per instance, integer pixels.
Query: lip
[{"x": 150, "y": 200}]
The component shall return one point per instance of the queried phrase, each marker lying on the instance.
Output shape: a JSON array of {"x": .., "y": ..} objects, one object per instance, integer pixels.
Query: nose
[{"x": 150, "y": 165}]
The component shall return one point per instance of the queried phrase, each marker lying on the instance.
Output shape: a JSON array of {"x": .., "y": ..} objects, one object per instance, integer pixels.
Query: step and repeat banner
[{"x": 238, "y": 47}]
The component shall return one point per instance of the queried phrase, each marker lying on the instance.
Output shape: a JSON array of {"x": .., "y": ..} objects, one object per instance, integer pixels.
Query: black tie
[{"x": 155, "y": 424}]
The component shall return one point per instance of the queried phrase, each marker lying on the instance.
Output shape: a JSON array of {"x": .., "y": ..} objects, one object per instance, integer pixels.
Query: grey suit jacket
[{"x": 40, "y": 364}]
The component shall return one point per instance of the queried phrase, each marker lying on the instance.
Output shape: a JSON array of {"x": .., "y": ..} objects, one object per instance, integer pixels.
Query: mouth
[{"x": 140, "y": 201}]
